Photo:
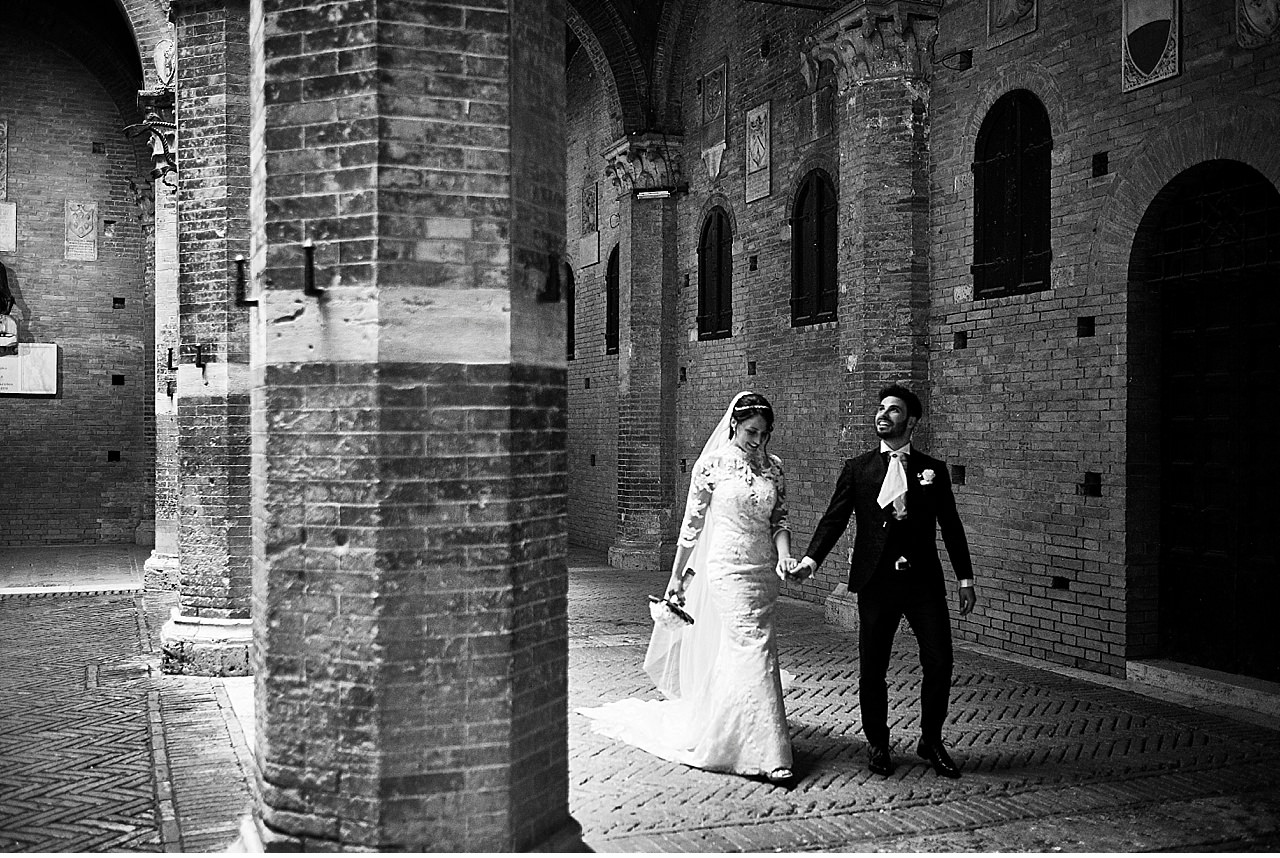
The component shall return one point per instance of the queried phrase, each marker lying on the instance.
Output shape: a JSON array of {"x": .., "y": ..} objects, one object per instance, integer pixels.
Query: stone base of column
[
  {"x": 205, "y": 646},
  {"x": 841, "y": 608},
  {"x": 160, "y": 572},
  {"x": 642, "y": 555}
]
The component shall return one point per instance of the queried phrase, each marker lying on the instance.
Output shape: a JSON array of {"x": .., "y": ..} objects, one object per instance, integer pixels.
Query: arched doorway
[{"x": 1208, "y": 253}]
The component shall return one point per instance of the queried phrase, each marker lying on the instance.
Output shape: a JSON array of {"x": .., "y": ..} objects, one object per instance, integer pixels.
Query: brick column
[
  {"x": 162, "y": 566},
  {"x": 880, "y": 52},
  {"x": 646, "y": 175},
  {"x": 411, "y": 640},
  {"x": 209, "y": 634}
]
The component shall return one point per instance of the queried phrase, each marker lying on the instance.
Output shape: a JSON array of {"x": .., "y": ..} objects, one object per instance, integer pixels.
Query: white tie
[{"x": 894, "y": 488}]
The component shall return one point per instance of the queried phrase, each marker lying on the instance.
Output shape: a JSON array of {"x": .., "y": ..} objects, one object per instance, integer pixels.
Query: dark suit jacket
[{"x": 929, "y": 508}]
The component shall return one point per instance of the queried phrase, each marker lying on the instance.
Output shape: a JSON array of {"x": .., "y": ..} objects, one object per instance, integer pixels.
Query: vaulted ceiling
[
  {"x": 93, "y": 31},
  {"x": 633, "y": 44}
]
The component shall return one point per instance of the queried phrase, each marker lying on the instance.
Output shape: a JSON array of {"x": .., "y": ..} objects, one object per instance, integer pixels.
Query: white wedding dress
[{"x": 724, "y": 710}]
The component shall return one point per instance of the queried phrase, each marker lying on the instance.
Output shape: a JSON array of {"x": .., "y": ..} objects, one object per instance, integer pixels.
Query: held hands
[{"x": 790, "y": 569}]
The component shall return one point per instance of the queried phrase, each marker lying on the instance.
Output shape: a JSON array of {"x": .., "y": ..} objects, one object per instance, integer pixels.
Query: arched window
[
  {"x": 570, "y": 310},
  {"x": 1011, "y": 198},
  {"x": 813, "y": 251},
  {"x": 611, "y": 304},
  {"x": 715, "y": 277}
]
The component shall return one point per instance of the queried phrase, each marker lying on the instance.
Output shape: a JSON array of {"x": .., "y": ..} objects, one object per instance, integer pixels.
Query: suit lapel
[
  {"x": 878, "y": 467},
  {"x": 873, "y": 471},
  {"x": 872, "y": 476},
  {"x": 913, "y": 481}
]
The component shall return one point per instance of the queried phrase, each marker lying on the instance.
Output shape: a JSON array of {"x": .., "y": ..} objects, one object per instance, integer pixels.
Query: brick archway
[
  {"x": 150, "y": 25},
  {"x": 1240, "y": 130},
  {"x": 618, "y": 60},
  {"x": 666, "y": 83}
]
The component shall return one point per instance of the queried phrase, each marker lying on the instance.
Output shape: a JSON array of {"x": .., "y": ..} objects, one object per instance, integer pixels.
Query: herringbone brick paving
[
  {"x": 75, "y": 754},
  {"x": 1034, "y": 746},
  {"x": 100, "y": 752}
]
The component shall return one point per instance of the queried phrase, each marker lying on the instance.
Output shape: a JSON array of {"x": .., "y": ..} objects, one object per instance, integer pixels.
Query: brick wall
[
  {"x": 1028, "y": 407},
  {"x": 59, "y": 484},
  {"x": 592, "y": 374},
  {"x": 213, "y": 399},
  {"x": 797, "y": 368}
]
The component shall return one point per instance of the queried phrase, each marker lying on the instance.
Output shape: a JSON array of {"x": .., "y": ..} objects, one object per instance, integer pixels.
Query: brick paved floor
[
  {"x": 100, "y": 752},
  {"x": 75, "y": 750},
  {"x": 1050, "y": 762}
]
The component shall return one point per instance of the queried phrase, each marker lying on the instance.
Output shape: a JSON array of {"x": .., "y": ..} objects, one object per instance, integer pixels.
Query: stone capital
[
  {"x": 644, "y": 162},
  {"x": 873, "y": 40}
]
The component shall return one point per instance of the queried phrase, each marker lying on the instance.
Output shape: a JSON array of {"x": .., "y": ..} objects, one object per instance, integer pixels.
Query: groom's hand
[
  {"x": 804, "y": 569},
  {"x": 968, "y": 598}
]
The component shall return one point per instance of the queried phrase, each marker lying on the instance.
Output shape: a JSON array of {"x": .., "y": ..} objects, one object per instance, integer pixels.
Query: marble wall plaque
[
  {"x": 8, "y": 227},
  {"x": 588, "y": 249},
  {"x": 81, "y": 231},
  {"x": 714, "y": 128},
  {"x": 4, "y": 159},
  {"x": 759, "y": 174},
  {"x": 1257, "y": 22},
  {"x": 713, "y": 105},
  {"x": 590, "y": 207},
  {"x": 1009, "y": 19},
  {"x": 34, "y": 369},
  {"x": 814, "y": 114},
  {"x": 1149, "y": 42},
  {"x": 589, "y": 238}
]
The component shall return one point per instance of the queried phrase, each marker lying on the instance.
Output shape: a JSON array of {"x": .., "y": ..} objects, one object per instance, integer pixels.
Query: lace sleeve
[
  {"x": 778, "y": 520},
  {"x": 695, "y": 512}
]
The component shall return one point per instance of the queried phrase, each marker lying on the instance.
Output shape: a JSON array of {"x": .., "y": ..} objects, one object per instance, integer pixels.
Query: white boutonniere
[{"x": 927, "y": 476}]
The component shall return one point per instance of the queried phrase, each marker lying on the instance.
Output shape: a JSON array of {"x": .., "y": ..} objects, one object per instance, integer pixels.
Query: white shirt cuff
[{"x": 966, "y": 582}]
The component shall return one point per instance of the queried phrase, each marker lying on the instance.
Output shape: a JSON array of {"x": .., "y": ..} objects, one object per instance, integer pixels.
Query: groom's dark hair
[{"x": 914, "y": 408}]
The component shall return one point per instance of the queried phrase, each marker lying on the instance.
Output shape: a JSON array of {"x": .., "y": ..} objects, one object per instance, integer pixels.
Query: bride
[{"x": 720, "y": 676}]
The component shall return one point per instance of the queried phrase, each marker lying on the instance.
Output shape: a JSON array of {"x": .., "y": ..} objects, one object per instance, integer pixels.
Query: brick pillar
[
  {"x": 880, "y": 52},
  {"x": 645, "y": 174},
  {"x": 162, "y": 566},
  {"x": 209, "y": 633},
  {"x": 411, "y": 640}
]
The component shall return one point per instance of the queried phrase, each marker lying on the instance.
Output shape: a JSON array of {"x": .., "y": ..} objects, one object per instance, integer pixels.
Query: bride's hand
[
  {"x": 785, "y": 567},
  {"x": 675, "y": 589}
]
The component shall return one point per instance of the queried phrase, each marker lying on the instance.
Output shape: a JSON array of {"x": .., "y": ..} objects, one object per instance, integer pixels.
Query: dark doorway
[{"x": 1214, "y": 263}]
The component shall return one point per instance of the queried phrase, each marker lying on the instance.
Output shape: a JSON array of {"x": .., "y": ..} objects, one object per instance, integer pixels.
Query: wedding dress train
[{"x": 724, "y": 709}]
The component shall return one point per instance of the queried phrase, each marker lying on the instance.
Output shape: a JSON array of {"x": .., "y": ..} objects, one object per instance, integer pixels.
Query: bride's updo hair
[{"x": 753, "y": 405}]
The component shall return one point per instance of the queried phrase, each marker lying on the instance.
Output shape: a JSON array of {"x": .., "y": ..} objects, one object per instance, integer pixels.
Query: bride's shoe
[{"x": 778, "y": 776}]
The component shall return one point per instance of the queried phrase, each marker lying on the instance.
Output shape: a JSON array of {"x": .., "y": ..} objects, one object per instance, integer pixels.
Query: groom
[{"x": 899, "y": 497}]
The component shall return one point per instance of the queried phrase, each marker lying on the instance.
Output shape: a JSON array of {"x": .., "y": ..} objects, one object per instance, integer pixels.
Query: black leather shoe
[
  {"x": 878, "y": 760},
  {"x": 936, "y": 754}
]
